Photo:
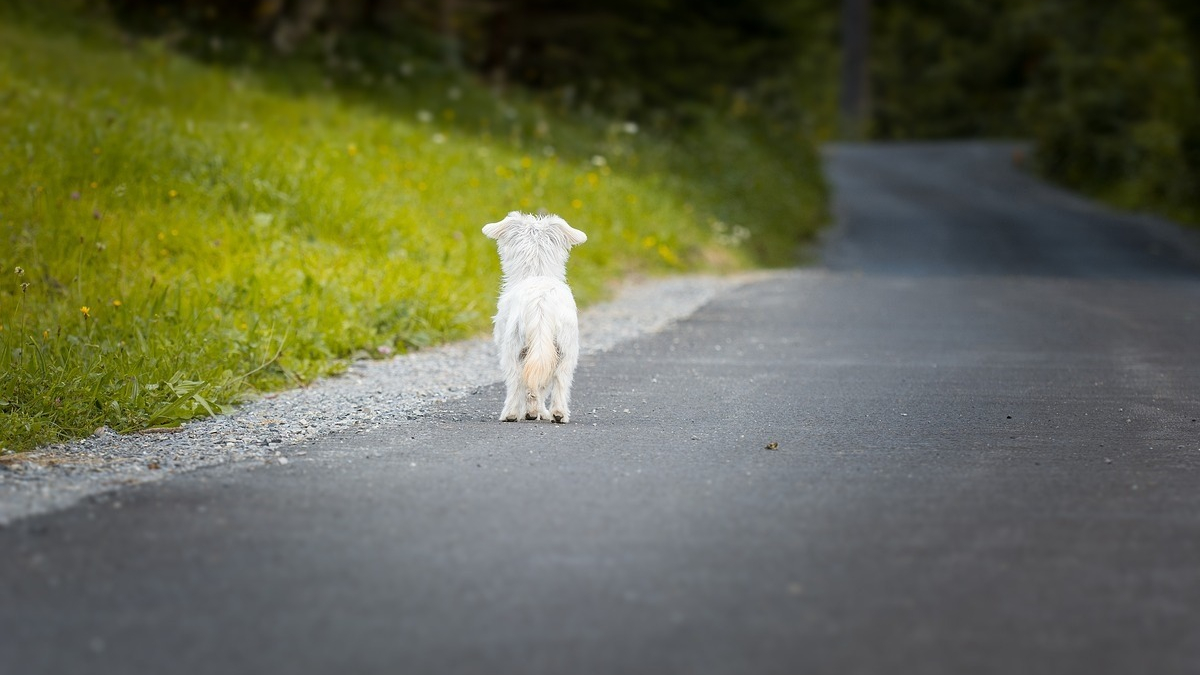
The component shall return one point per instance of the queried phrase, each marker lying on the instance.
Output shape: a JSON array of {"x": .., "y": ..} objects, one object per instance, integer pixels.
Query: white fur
[{"x": 536, "y": 324}]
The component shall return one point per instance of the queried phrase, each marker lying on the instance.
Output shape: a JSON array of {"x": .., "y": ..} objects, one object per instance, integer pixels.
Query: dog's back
[{"x": 538, "y": 317}]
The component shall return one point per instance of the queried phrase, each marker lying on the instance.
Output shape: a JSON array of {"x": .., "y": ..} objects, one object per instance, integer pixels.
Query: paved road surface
[{"x": 988, "y": 461}]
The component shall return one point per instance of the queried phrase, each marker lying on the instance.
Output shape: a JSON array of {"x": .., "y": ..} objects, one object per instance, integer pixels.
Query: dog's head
[{"x": 532, "y": 245}]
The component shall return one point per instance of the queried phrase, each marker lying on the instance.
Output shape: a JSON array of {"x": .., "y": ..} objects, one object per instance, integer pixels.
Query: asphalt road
[{"x": 966, "y": 444}]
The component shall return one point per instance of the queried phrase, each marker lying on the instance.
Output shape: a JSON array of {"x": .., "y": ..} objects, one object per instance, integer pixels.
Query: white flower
[
  {"x": 424, "y": 116},
  {"x": 598, "y": 160},
  {"x": 630, "y": 128},
  {"x": 439, "y": 138}
]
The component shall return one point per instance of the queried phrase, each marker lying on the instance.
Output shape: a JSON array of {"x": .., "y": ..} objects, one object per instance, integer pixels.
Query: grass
[{"x": 175, "y": 237}]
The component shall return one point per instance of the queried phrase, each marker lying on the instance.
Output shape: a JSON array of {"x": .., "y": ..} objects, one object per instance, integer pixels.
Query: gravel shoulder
[{"x": 371, "y": 394}]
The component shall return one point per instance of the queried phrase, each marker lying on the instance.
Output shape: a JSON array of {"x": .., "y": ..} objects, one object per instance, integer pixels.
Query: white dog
[{"x": 536, "y": 326}]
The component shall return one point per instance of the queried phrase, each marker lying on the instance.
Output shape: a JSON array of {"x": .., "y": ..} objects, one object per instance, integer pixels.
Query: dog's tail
[{"x": 540, "y": 353}]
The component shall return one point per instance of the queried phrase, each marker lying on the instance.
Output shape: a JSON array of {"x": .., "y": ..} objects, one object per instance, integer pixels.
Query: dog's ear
[
  {"x": 495, "y": 230},
  {"x": 574, "y": 237}
]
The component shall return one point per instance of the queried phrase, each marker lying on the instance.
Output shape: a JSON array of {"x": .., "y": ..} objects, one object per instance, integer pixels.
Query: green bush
[
  {"x": 1114, "y": 108},
  {"x": 1108, "y": 90}
]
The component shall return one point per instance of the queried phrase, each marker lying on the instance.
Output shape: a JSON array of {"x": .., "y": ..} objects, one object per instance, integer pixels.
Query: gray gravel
[{"x": 370, "y": 395}]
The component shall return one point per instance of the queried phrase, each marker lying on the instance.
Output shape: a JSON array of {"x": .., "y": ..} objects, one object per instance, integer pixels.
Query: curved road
[{"x": 984, "y": 458}]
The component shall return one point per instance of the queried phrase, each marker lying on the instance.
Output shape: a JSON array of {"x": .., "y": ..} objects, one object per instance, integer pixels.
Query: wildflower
[
  {"x": 20, "y": 271},
  {"x": 100, "y": 246},
  {"x": 384, "y": 349},
  {"x": 46, "y": 334},
  {"x": 667, "y": 254},
  {"x": 75, "y": 195},
  {"x": 96, "y": 214},
  {"x": 116, "y": 303},
  {"x": 439, "y": 138},
  {"x": 630, "y": 128},
  {"x": 526, "y": 162},
  {"x": 94, "y": 185},
  {"x": 24, "y": 287},
  {"x": 576, "y": 203},
  {"x": 173, "y": 194},
  {"x": 352, "y": 149},
  {"x": 87, "y": 311},
  {"x": 424, "y": 116},
  {"x": 598, "y": 160}
]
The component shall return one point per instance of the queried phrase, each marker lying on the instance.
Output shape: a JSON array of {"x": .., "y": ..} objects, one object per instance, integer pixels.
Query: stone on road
[{"x": 967, "y": 444}]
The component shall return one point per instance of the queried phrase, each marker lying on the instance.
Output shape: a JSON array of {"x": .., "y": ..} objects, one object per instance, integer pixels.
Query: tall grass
[{"x": 175, "y": 236}]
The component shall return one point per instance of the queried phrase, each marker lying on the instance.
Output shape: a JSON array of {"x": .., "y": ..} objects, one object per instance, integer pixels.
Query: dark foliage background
[
  {"x": 662, "y": 61},
  {"x": 1108, "y": 90}
]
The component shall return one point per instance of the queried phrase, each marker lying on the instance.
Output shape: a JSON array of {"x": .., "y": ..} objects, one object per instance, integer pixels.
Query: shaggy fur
[{"x": 536, "y": 325}]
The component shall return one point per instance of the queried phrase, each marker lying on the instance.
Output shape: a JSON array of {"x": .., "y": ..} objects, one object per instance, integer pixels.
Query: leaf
[{"x": 204, "y": 404}]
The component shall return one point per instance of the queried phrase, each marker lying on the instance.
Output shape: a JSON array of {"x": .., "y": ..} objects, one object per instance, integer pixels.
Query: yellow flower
[
  {"x": 46, "y": 334},
  {"x": 173, "y": 194},
  {"x": 352, "y": 149},
  {"x": 87, "y": 311},
  {"x": 94, "y": 185},
  {"x": 667, "y": 254},
  {"x": 526, "y": 162},
  {"x": 116, "y": 303},
  {"x": 576, "y": 203},
  {"x": 96, "y": 150}
]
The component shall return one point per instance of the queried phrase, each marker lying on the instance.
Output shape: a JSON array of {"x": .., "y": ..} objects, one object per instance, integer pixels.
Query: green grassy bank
[{"x": 175, "y": 237}]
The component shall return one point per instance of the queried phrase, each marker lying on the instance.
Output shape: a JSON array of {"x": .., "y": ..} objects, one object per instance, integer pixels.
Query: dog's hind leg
[
  {"x": 514, "y": 400},
  {"x": 560, "y": 391}
]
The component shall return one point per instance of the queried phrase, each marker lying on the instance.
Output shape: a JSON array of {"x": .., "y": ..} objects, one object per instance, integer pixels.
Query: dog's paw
[
  {"x": 561, "y": 416},
  {"x": 509, "y": 417}
]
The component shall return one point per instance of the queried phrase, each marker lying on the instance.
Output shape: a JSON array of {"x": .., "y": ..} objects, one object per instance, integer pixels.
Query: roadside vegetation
[
  {"x": 180, "y": 233},
  {"x": 1108, "y": 92}
]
